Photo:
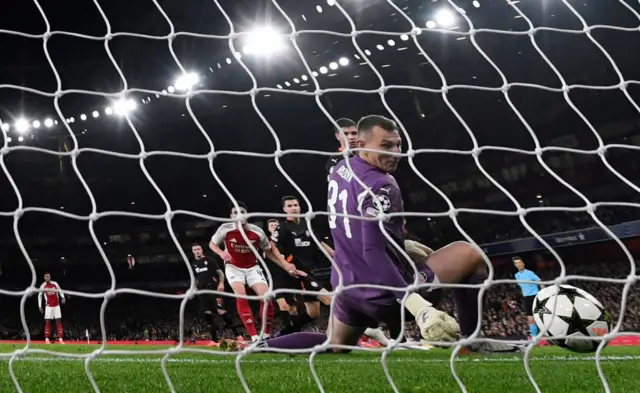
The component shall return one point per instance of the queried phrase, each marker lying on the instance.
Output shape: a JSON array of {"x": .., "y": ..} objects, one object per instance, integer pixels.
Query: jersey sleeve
[
  {"x": 533, "y": 276},
  {"x": 40, "y": 296},
  {"x": 218, "y": 237},
  {"x": 374, "y": 243},
  {"x": 58, "y": 287}
]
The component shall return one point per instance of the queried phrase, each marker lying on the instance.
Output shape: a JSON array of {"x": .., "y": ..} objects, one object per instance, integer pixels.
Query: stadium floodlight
[
  {"x": 9, "y": 139},
  {"x": 444, "y": 17},
  {"x": 228, "y": 60},
  {"x": 279, "y": 86},
  {"x": 367, "y": 52},
  {"x": 5, "y": 127},
  {"x": 391, "y": 43},
  {"x": 331, "y": 3},
  {"x": 20, "y": 138},
  {"x": 296, "y": 80},
  {"x": 187, "y": 81},
  {"x": 315, "y": 73},
  {"x": 171, "y": 89},
  {"x": 431, "y": 24},
  {"x": 164, "y": 92},
  {"x": 343, "y": 61},
  {"x": 123, "y": 106},
  {"x": 95, "y": 114},
  {"x": 48, "y": 123},
  {"x": 263, "y": 41},
  {"x": 83, "y": 117},
  {"x": 379, "y": 47},
  {"x": 36, "y": 124},
  {"x": 72, "y": 120},
  {"x": 323, "y": 70},
  {"x": 286, "y": 83},
  {"x": 333, "y": 65},
  {"x": 476, "y": 3},
  {"x": 319, "y": 9},
  {"x": 22, "y": 125},
  {"x": 404, "y": 37},
  {"x": 304, "y": 77},
  {"x": 108, "y": 110}
]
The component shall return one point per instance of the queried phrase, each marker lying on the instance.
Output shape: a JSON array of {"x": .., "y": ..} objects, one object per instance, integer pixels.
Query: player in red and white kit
[
  {"x": 242, "y": 269},
  {"x": 52, "y": 307}
]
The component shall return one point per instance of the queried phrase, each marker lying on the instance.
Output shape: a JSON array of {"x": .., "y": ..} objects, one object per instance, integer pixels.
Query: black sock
[
  {"x": 466, "y": 301},
  {"x": 286, "y": 318},
  {"x": 297, "y": 323},
  {"x": 213, "y": 329},
  {"x": 228, "y": 324}
]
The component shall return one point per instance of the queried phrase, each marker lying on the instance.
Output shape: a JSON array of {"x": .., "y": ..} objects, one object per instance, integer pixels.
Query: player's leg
[
  {"x": 237, "y": 280},
  {"x": 260, "y": 289},
  {"x": 48, "y": 316},
  {"x": 206, "y": 307},
  {"x": 57, "y": 314},
  {"x": 460, "y": 263},
  {"x": 528, "y": 307},
  {"x": 228, "y": 322}
]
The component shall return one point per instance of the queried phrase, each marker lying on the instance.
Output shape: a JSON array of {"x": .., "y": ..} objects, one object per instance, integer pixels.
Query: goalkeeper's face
[
  {"x": 383, "y": 142},
  {"x": 237, "y": 212}
]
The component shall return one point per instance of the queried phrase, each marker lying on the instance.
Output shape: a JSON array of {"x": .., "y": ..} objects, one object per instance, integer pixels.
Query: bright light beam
[
  {"x": 186, "y": 81},
  {"x": 263, "y": 41},
  {"x": 22, "y": 125},
  {"x": 445, "y": 18},
  {"x": 48, "y": 123}
]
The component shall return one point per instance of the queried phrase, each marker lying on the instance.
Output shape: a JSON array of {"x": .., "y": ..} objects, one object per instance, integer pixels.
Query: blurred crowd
[{"x": 142, "y": 318}]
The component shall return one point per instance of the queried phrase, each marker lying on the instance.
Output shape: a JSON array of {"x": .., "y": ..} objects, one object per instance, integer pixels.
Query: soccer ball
[{"x": 578, "y": 314}]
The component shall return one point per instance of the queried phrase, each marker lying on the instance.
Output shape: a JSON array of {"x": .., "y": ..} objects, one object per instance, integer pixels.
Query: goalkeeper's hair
[
  {"x": 241, "y": 205},
  {"x": 288, "y": 198},
  {"x": 366, "y": 124},
  {"x": 517, "y": 258},
  {"x": 344, "y": 123}
]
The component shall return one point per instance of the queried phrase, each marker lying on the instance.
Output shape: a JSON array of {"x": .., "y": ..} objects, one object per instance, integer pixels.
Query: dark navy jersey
[
  {"x": 362, "y": 252},
  {"x": 295, "y": 243},
  {"x": 205, "y": 270}
]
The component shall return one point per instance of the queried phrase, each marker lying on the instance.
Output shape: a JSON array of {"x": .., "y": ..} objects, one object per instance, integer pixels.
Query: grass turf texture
[{"x": 555, "y": 370}]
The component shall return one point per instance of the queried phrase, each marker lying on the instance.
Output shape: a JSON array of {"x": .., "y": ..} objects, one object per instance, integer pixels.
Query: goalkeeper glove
[{"x": 434, "y": 325}]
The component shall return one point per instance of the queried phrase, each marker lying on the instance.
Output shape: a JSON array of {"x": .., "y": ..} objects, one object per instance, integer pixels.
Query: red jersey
[
  {"x": 51, "y": 298},
  {"x": 242, "y": 256}
]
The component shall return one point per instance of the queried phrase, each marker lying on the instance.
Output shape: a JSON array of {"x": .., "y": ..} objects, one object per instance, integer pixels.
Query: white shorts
[
  {"x": 248, "y": 276},
  {"x": 52, "y": 312}
]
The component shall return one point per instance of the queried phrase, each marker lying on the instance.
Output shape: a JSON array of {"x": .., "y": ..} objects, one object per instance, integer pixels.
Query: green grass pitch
[{"x": 555, "y": 371}]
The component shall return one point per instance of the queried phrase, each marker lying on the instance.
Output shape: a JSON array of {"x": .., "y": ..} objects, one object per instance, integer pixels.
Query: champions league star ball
[{"x": 577, "y": 314}]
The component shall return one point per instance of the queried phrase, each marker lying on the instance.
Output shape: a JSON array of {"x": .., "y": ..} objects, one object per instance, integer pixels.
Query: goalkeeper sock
[
  {"x": 47, "y": 328},
  {"x": 533, "y": 328},
  {"x": 296, "y": 341},
  {"x": 269, "y": 321},
  {"x": 297, "y": 324},
  {"x": 59, "y": 328},
  {"x": 466, "y": 301},
  {"x": 213, "y": 329},
  {"x": 246, "y": 316}
]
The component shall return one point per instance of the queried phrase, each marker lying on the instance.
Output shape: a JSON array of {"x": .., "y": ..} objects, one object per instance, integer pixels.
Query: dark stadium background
[{"x": 63, "y": 246}]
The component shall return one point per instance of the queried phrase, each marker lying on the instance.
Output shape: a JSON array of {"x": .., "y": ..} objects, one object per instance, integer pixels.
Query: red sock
[
  {"x": 244, "y": 311},
  {"x": 59, "y": 327},
  {"x": 47, "y": 328},
  {"x": 267, "y": 329}
]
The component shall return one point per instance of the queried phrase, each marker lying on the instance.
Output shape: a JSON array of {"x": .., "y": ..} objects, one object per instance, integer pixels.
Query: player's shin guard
[
  {"x": 47, "y": 328},
  {"x": 269, "y": 321},
  {"x": 246, "y": 316},
  {"x": 213, "y": 329},
  {"x": 466, "y": 301},
  {"x": 59, "y": 328}
]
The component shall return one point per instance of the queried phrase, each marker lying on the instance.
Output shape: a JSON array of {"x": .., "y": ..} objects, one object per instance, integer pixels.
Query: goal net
[{"x": 130, "y": 127}]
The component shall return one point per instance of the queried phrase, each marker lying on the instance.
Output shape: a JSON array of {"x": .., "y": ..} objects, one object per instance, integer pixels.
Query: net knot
[
  {"x": 4, "y": 150},
  {"x": 30, "y": 291},
  {"x": 191, "y": 292},
  {"x": 168, "y": 215},
  {"x": 94, "y": 216},
  {"x": 538, "y": 150},
  {"x": 602, "y": 150},
  {"x": 411, "y": 153},
  {"x": 623, "y": 85},
  {"x": 310, "y": 215},
  {"x": 416, "y": 31},
  {"x": 591, "y": 208},
  {"x": 278, "y": 153},
  {"x": 211, "y": 155},
  {"x": 632, "y": 279},
  {"x": 19, "y": 212},
  {"x": 143, "y": 155},
  {"x": 559, "y": 281},
  {"x": 109, "y": 294}
]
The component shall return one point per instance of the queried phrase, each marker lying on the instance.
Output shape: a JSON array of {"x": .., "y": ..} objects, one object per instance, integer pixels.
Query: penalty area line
[{"x": 489, "y": 359}]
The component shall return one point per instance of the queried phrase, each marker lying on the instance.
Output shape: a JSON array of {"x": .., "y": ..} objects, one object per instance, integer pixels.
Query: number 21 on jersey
[{"x": 335, "y": 196}]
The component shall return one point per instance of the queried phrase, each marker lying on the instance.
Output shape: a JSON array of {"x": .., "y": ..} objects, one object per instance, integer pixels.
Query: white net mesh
[{"x": 317, "y": 91}]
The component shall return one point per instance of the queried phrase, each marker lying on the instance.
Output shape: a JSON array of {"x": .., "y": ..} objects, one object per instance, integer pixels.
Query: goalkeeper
[{"x": 365, "y": 256}]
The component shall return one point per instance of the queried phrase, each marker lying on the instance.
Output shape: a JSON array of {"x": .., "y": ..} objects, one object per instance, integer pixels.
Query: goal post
[{"x": 316, "y": 74}]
